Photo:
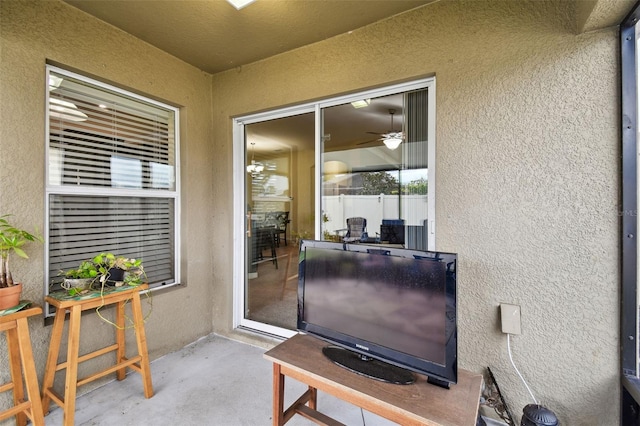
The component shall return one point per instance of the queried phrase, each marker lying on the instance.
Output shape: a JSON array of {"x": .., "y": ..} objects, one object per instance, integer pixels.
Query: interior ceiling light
[
  {"x": 65, "y": 110},
  {"x": 392, "y": 142},
  {"x": 239, "y": 4},
  {"x": 334, "y": 167},
  {"x": 54, "y": 82},
  {"x": 254, "y": 168},
  {"x": 361, "y": 103},
  {"x": 393, "y": 139}
]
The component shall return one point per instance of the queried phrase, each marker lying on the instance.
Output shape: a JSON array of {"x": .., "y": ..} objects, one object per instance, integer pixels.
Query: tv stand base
[
  {"x": 420, "y": 403},
  {"x": 438, "y": 382}
]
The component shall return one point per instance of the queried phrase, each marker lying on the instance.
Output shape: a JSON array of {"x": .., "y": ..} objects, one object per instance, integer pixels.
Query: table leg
[
  {"x": 30, "y": 377},
  {"x": 121, "y": 353},
  {"x": 278, "y": 396},
  {"x": 71, "y": 383},
  {"x": 52, "y": 358},
  {"x": 313, "y": 398},
  {"x": 141, "y": 339},
  {"x": 16, "y": 373}
]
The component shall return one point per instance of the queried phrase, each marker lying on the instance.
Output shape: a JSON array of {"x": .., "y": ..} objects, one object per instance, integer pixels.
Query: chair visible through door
[
  {"x": 282, "y": 220},
  {"x": 356, "y": 230}
]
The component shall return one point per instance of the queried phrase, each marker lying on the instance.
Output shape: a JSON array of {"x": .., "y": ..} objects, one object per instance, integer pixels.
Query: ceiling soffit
[{"x": 213, "y": 36}]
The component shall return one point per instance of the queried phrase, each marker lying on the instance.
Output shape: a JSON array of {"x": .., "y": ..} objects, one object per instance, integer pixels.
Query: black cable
[{"x": 508, "y": 418}]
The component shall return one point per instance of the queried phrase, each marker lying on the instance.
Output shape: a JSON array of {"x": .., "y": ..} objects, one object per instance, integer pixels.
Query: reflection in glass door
[
  {"x": 279, "y": 211},
  {"x": 374, "y": 182},
  {"x": 304, "y": 171}
]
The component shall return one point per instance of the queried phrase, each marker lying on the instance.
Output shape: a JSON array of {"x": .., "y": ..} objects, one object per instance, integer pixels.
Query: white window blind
[{"x": 111, "y": 177}]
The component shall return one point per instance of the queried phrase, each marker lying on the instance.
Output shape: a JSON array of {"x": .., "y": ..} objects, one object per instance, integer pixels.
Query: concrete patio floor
[{"x": 213, "y": 381}]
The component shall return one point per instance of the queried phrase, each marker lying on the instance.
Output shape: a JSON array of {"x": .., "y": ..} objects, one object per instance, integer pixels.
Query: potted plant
[
  {"x": 12, "y": 239},
  {"x": 81, "y": 278},
  {"x": 104, "y": 269},
  {"x": 301, "y": 235},
  {"x": 118, "y": 270}
]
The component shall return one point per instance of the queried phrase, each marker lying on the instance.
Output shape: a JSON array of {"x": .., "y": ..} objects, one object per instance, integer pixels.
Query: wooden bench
[
  {"x": 21, "y": 361},
  {"x": 74, "y": 306}
]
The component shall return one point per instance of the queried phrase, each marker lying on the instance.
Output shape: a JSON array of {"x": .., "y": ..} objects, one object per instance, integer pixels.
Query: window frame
[
  {"x": 100, "y": 192},
  {"x": 630, "y": 383}
]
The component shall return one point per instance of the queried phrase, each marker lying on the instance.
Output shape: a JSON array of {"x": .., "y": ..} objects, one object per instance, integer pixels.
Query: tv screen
[{"x": 394, "y": 309}]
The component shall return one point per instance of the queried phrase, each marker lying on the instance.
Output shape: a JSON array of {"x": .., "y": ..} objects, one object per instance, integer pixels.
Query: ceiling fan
[{"x": 391, "y": 139}]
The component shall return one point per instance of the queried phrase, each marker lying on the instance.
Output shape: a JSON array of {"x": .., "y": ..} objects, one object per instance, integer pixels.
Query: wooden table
[
  {"x": 21, "y": 361},
  {"x": 421, "y": 403},
  {"x": 74, "y": 306}
]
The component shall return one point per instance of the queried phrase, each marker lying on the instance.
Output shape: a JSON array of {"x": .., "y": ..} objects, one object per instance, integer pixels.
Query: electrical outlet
[{"x": 510, "y": 316}]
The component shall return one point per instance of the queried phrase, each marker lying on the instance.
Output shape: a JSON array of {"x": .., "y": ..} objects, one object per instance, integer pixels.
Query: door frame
[{"x": 239, "y": 182}]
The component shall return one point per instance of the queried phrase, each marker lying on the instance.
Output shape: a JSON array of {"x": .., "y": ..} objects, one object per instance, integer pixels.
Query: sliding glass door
[
  {"x": 375, "y": 174},
  {"x": 358, "y": 168}
]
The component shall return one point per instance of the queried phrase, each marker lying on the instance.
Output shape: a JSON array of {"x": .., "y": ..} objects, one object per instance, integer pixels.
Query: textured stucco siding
[
  {"x": 32, "y": 33},
  {"x": 527, "y": 187},
  {"x": 527, "y": 172}
]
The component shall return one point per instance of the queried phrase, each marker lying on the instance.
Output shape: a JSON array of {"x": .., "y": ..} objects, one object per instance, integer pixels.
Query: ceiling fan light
[{"x": 392, "y": 142}]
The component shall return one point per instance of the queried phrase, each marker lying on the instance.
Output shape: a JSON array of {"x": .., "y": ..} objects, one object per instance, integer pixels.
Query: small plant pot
[
  {"x": 10, "y": 296},
  {"x": 79, "y": 283},
  {"x": 116, "y": 275}
]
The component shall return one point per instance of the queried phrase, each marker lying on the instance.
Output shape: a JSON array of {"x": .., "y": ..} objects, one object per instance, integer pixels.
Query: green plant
[
  {"x": 133, "y": 269},
  {"x": 301, "y": 235},
  {"x": 101, "y": 267},
  {"x": 87, "y": 269},
  {"x": 11, "y": 241}
]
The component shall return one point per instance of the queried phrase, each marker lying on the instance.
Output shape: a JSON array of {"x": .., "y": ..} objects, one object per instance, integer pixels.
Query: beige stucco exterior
[
  {"x": 527, "y": 172},
  {"x": 37, "y": 33}
]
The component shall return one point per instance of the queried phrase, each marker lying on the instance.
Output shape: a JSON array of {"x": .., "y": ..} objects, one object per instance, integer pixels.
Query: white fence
[{"x": 374, "y": 208}]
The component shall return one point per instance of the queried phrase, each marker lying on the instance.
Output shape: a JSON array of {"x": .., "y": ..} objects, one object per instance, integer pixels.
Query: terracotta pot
[{"x": 10, "y": 296}]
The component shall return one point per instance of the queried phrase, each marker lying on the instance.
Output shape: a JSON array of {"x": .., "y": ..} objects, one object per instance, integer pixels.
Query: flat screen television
[{"x": 387, "y": 313}]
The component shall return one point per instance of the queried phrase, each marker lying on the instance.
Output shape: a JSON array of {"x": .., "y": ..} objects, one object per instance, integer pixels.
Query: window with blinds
[{"x": 111, "y": 177}]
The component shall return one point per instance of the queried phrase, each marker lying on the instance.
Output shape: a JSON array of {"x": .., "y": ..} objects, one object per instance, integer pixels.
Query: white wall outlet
[{"x": 510, "y": 316}]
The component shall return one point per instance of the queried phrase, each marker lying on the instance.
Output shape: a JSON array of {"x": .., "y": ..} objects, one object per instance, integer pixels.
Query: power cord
[
  {"x": 362, "y": 414},
  {"x": 516, "y": 368}
]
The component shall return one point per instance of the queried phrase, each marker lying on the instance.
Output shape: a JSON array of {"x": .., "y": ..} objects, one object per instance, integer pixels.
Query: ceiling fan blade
[
  {"x": 375, "y": 133},
  {"x": 367, "y": 142}
]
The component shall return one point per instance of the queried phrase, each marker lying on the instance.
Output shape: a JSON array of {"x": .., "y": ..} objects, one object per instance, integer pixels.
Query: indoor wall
[
  {"x": 35, "y": 33},
  {"x": 526, "y": 180}
]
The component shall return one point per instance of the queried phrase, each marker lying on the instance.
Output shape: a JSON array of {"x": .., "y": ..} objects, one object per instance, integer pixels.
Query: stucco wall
[
  {"x": 33, "y": 33},
  {"x": 527, "y": 178},
  {"x": 527, "y": 171}
]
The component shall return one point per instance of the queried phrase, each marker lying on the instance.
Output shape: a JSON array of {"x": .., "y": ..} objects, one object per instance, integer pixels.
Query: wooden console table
[
  {"x": 75, "y": 305},
  {"x": 21, "y": 360},
  {"x": 421, "y": 403}
]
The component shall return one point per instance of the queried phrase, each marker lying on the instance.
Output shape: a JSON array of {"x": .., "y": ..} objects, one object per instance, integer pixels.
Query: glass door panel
[
  {"x": 375, "y": 171},
  {"x": 304, "y": 171},
  {"x": 279, "y": 209}
]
